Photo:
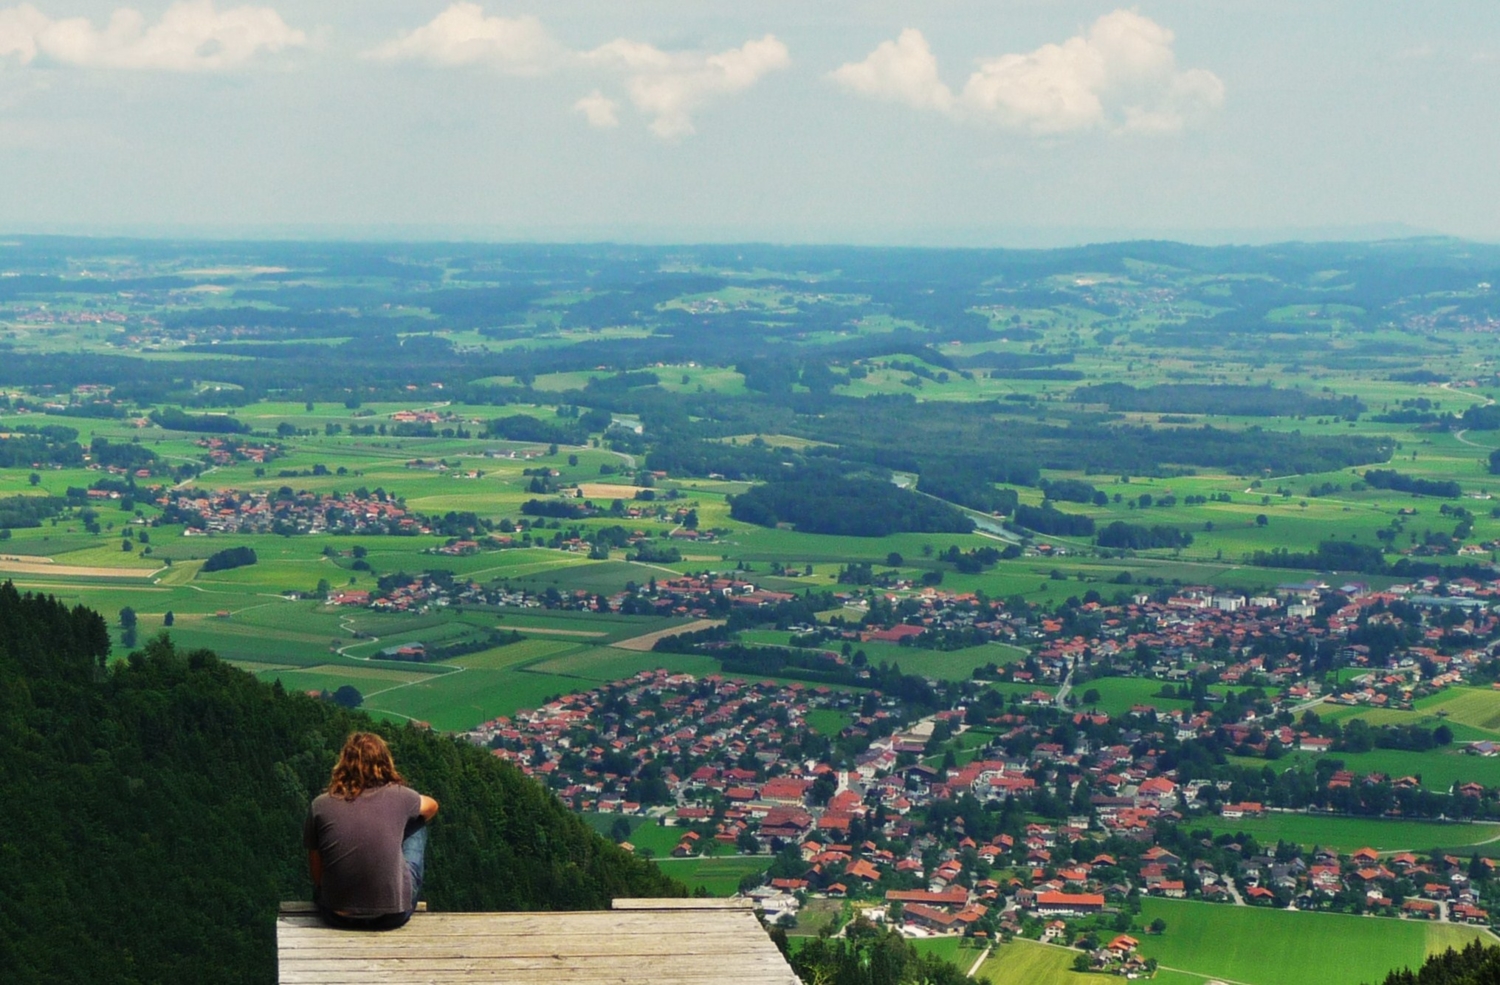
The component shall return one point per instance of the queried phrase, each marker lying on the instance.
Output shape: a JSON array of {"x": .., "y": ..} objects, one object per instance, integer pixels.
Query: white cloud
[
  {"x": 670, "y": 86},
  {"x": 1121, "y": 75},
  {"x": 190, "y": 36},
  {"x": 464, "y": 35},
  {"x": 599, "y": 110},
  {"x": 903, "y": 71},
  {"x": 667, "y": 87}
]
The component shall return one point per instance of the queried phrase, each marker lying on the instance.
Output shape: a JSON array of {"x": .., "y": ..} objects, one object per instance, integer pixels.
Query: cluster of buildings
[
  {"x": 724, "y": 765},
  {"x": 1059, "y": 813},
  {"x": 225, "y": 451},
  {"x": 205, "y": 511},
  {"x": 1274, "y": 641}
]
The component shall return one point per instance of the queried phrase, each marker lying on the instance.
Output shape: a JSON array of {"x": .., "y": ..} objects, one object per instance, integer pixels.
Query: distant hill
[{"x": 154, "y": 808}]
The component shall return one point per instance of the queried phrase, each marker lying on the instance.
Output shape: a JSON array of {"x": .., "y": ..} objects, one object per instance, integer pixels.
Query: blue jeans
[{"x": 414, "y": 852}]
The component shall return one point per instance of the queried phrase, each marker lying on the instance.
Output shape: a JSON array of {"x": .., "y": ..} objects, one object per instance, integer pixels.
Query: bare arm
[{"x": 429, "y": 808}]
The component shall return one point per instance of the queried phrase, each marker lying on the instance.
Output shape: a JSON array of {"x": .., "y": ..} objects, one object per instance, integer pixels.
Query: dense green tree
[{"x": 155, "y": 809}]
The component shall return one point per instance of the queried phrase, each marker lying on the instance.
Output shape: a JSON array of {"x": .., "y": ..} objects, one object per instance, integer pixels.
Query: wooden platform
[{"x": 639, "y": 942}]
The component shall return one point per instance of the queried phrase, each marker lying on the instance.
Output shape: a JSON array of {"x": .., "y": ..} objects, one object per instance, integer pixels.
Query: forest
[
  {"x": 155, "y": 806},
  {"x": 1199, "y": 398},
  {"x": 831, "y": 504},
  {"x": 1476, "y": 964}
]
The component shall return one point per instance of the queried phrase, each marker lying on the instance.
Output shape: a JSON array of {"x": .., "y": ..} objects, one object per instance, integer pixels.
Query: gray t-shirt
[{"x": 364, "y": 874}]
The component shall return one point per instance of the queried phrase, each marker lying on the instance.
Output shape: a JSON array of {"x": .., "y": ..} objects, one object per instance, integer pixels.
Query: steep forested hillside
[
  {"x": 153, "y": 811},
  {"x": 1474, "y": 965}
]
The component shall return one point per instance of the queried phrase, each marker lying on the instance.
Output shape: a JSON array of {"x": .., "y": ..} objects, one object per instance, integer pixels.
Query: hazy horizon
[{"x": 873, "y": 123}]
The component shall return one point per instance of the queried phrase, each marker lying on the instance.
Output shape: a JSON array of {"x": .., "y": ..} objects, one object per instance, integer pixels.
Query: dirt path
[
  {"x": 1473, "y": 444},
  {"x": 644, "y": 643},
  {"x": 15, "y": 565}
]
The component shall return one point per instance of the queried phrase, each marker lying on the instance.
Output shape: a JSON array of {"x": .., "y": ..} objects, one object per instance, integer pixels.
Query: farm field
[
  {"x": 1439, "y": 769},
  {"x": 1259, "y": 946},
  {"x": 948, "y": 665},
  {"x": 1347, "y": 834},
  {"x": 461, "y": 700},
  {"x": 647, "y": 836},
  {"x": 948, "y": 948},
  {"x": 454, "y": 424},
  {"x": 1117, "y": 695},
  {"x": 718, "y": 876},
  {"x": 1476, "y": 708},
  {"x": 827, "y": 721},
  {"x": 1024, "y": 962},
  {"x": 605, "y": 664}
]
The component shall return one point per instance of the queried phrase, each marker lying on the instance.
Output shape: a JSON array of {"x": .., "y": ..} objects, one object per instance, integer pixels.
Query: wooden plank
[
  {"x": 549, "y": 978},
  {"x": 396, "y": 940},
  {"x": 582, "y": 945},
  {"x": 308, "y": 907},
  {"x": 325, "y": 937},
  {"x": 603, "y": 922},
  {"x": 638, "y": 944},
  {"x": 683, "y": 904},
  {"x": 499, "y": 959}
]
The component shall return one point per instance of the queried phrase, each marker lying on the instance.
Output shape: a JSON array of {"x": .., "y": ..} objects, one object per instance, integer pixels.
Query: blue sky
[{"x": 1009, "y": 122}]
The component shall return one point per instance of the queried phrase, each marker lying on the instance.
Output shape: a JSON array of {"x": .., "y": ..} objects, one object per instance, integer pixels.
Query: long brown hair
[{"x": 365, "y": 762}]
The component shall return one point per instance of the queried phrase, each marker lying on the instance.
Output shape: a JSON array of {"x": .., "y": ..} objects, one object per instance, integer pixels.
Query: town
[{"x": 1020, "y": 808}]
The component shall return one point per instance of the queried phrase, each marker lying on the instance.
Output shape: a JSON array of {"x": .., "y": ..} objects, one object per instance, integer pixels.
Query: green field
[
  {"x": 646, "y": 835},
  {"x": 1260, "y": 946},
  {"x": 461, "y": 700},
  {"x": 1024, "y": 962},
  {"x": 948, "y": 948},
  {"x": 1474, "y": 708},
  {"x": 318, "y": 453},
  {"x": 604, "y": 664},
  {"x": 826, "y": 721},
  {"x": 719, "y": 876},
  {"x": 1348, "y": 834},
  {"x": 1117, "y": 695},
  {"x": 1438, "y": 769}
]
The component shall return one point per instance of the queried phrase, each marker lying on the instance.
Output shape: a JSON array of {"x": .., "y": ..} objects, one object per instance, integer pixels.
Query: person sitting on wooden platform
[{"x": 366, "y": 840}]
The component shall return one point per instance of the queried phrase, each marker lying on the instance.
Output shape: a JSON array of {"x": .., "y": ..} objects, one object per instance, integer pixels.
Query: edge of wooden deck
[
  {"x": 626, "y": 903},
  {"x": 296, "y": 908},
  {"x": 635, "y": 942},
  {"x": 300, "y": 908}
]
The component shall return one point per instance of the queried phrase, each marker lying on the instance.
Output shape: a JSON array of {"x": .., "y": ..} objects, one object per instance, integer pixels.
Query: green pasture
[
  {"x": 657, "y": 839},
  {"x": 1117, "y": 695},
  {"x": 646, "y": 835},
  {"x": 814, "y": 916},
  {"x": 952, "y": 949},
  {"x": 952, "y": 665},
  {"x": 1024, "y": 962},
  {"x": 462, "y": 700},
  {"x": 596, "y": 628},
  {"x": 1474, "y": 708},
  {"x": 368, "y": 681},
  {"x": 599, "y": 665},
  {"x": 827, "y": 721},
  {"x": 1349, "y": 834},
  {"x": 522, "y": 654},
  {"x": 718, "y": 876},
  {"x": 1438, "y": 769},
  {"x": 1263, "y": 946}
]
